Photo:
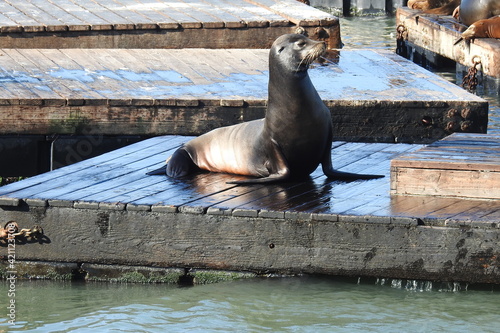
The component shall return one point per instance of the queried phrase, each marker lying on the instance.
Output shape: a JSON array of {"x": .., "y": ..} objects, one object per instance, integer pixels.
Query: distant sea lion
[
  {"x": 290, "y": 142},
  {"x": 429, "y": 4},
  {"x": 439, "y": 7},
  {"x": 475, "y": 10}
]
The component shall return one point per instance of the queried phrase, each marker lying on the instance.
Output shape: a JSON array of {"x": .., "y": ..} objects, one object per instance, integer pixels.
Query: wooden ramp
[
  {"x": 105, "y": 210},
  {"x": 438, "y": 34},
  {"x": 159, "y": 23},
  {"x": 373, "y": 95}
]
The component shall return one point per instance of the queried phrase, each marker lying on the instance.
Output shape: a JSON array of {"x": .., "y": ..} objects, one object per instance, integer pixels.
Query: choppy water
[
  {"x": 255, "y": 305},
  {"x": 265, "y": 305}
]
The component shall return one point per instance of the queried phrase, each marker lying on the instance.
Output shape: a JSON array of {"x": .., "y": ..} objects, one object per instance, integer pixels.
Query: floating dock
[
  {"x": 436, "y": 34},
  {"x": 106, "y": 211},
  {"x": 64, "y": 104},
  {"x": 159, "y": 24},
  {"x": 372, "y": 94}
]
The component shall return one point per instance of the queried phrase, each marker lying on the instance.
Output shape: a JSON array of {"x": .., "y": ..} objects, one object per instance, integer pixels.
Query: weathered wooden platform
[
  {"x": 105, "y": 210},
  {"x": 461, "y": 165},
  {"x": 159, "y": 24},
  {"x": 438, "y": 34},
  {"x": 373, "y": 95}
]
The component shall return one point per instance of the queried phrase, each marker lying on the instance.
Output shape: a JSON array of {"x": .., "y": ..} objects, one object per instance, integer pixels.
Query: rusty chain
[
  {"x": 401, "y": 32},
  {"x": 401, "y": 35},
  {"x": 470, "y": 80},
  {"x": 11, "y": 230}
]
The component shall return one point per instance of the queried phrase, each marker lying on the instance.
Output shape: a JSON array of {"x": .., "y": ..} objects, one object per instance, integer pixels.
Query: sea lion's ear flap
[{"x": 281, "y": 49}]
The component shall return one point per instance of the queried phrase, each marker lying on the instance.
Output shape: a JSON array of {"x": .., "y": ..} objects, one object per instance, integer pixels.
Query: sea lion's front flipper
[{"x": 278, "y": 165}]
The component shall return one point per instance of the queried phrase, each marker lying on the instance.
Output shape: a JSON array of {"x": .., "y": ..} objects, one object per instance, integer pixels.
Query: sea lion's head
[{"x": 293, "y": 53}]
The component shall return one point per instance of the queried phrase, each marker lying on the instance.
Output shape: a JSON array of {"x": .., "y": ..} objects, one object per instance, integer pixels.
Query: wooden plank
[
  {"x": 27, "y": 23},
  {"x": 100, "y": 184},
  {"x": 209, "y": 6},
  {"x": 6, "y": 24},
  {"x": 13, "y": 62},
  {"x": 249, "y": 19},
  {"x": 460, "y": 165},
  {"x": 119, "y": 22},
  {"x": 90, "y": 168},
  {"x": 174, "y": 11},
  {"x": 116, "y": 78},
  {"x": 297, "y": 12},
  {"x": 95, "y": 22},
  {"x": 452, "y": 183},
  {"x": 201, "y": 12},
  {"x": 43, "y": 18},
  {"x": 49, "y": 177},
  {"x": 140, "y": 15},
  {"x": 272, "y": 19},
  {"x": 67, "y": 20},
  {"x": 36, "y": 64},
  {"x": 72, "y": 73}
]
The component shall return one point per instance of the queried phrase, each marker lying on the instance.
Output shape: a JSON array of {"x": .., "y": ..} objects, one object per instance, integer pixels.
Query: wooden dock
[
  {"x": 373, "y": 95},
  {"x": 437, "y": 35},
  {"x": 105, "y": 210},
  {"x": 159, "y": 24}
]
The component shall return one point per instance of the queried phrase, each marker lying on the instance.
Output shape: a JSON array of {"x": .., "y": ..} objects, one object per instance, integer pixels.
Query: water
[
  {"x": 307, "y": 304},
  {"x": 266, "y": 304}
]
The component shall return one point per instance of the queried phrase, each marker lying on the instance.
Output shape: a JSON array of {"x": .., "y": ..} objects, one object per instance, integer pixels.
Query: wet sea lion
[
  {"x": 475, "y": 10},
  {"x": 290, "y": 142}
]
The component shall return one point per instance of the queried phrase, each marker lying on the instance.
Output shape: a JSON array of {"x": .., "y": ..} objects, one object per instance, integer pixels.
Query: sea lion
[
  {"x": 475, "y": 10},
  {"x": 290, "y": 142},
  {"x": 439, "y": 7},
  {"x": 426, "y": 4},
  {"x": 488, "y": 28}
]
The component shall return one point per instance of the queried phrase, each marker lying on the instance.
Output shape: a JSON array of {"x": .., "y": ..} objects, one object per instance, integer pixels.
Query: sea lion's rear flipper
[
  {"x": 158, "y": 172},
  {"x": 348, "y": 176},
  {"x": 178, "y": 165},
  {"x": 329, "y": 172}
]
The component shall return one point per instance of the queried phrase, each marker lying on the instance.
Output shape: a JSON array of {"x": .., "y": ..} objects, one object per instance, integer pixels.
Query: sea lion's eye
[
  {"x": 301, "y": 43},
  {"x": 281, "y": 49}
]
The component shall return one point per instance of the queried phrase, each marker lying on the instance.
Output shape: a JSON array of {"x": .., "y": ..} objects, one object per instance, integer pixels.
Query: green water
[{"x": 307, "y": 304}]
